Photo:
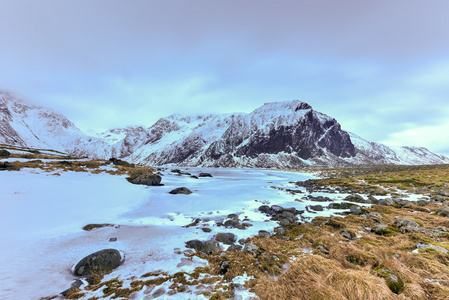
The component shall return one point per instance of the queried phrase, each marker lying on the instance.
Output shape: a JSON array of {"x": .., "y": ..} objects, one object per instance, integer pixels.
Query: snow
[{"x": 43, "y": 215}]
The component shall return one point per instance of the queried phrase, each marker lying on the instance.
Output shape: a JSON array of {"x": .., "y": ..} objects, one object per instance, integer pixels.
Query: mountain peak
[{"x": 292, "y": 105}]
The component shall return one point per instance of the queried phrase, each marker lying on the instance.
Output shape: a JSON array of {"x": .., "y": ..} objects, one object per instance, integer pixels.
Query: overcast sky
[{"x": 381, "y": 68}]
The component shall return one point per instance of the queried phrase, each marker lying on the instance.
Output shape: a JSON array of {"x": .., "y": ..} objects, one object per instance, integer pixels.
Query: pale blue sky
[{"x": 381, "y": 68}]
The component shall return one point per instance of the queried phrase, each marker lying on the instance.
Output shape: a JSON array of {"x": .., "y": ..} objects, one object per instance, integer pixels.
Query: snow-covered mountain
[{"x": 286, "y": 134}]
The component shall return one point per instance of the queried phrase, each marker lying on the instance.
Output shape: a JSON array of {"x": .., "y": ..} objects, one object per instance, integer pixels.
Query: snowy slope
[
  {"x": 376, "y": 153},
  {"x": 285, "y": 134}
]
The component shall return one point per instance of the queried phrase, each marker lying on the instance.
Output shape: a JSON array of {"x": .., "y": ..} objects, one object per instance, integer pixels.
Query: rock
[
  {"x": 4, "y": 153},
  {"x": 347, "y": 234},
  {"x": 381, "y": 229},
  {"x": 264, "y": 233},
  {"x": 226, "y": 238},
  {"x": 322, "y": 249},
  {"x": 443, "y": 192},
  {"x": 119, "y": 162},
  {"x": 355, "y": 198},
  {"x": 206, "y": 229},
  {"x": 181, "y": 190},
  {"x": 113, "y": 239},
  {"x": 251, "y": 249},
  {"x": 287, "y": 214},
  {"x": 234, "y": 248},
  {"x": 233, "y": 216},
  {"x": 316, "y": 207},
  {"x": 194, "y": 244},
  {"x": 422, "y": 202},
  {"x": 438, "y": 248},
  {"x": 100, "y": 262},
  {"x": 233, "y": 224},
  {"x": 279, "y": 231},
  {"x": 241, "y": 241},
  {"x": 224, "y": 267},
  {"x": 210, "y": 247},
  {"x": 204, "y": 175},
  {"x": 194, "y": 177},
  {"x": 65, "y": 163},
  {"x": 176, "y": 171},
  {"x": 149, "y": 179},
  {"x": 355, "y": 210},
  {"x": 8, "y": 167},
  {"x": 246, "y": 224},
  {"x": 406, "y": 223},
  {"x": 386, "y": 202},
  {"x": 373, "y": 200},
  {"x": 444, "y": 211},
  {"x": 284, "y": 223},
  {"x": 73, "y": 288},
  {"x": 277, "y": 209},
  {"x": 374, "y": 215}
]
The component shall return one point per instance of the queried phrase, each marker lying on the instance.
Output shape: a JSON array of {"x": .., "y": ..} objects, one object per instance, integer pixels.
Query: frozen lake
[{"x": 42, "y": 215}]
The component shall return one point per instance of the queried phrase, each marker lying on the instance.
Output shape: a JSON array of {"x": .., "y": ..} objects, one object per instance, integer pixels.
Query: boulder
[
  {"x": 234, "y": 248},
  {"x": 226, "y": 238},
  {"x": 264, "y": 233},
  {"x": 355, "y": 198},
  {"x": 251, "y": 249},
  {"x": 355, "y": 210},
  {"x": 100, "y": 262},
  {"x": 210, "y": 247},
  {"x": 181, "y": 190},
  {"x": 4, "y": 153},
  {"x": 204, "y": 175},
  {"x": 316, "y": 207},
  {"x": 279, "y": 231},
  {"x": 8, "y": 167},
  {"x": 149, "y": 179},
  {"x": 444, "y": 211},
  {"x": 386, "y": 202},
  {"x": 194, "y": 244},
  {"x": 407, "y": 223},
  {"x": 347, "y": 234}
]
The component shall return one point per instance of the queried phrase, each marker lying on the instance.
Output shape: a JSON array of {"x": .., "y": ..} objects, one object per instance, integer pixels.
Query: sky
[{"x": 381, "y": 68}]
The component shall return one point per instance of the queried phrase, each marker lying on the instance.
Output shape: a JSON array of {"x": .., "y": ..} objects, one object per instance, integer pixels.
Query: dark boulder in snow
[
  {"x": 145, "y": 179},
  {"x": 226, "y": 238},
  {"x": 8, "y": 167},
  {"x": 100, "y": 262},
  {"x": 4, "y": 153},
  {"x": 204, "y": 175},
  {"x": 207, "y": 247},
  {"x": 181, "y": 190}
]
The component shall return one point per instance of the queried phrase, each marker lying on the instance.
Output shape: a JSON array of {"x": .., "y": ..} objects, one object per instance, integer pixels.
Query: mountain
[
  {"x": 27, "y": 125},
  {"x": 286, "y": 134}
]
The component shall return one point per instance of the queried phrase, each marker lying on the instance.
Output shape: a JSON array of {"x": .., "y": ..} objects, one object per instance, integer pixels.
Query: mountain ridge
[{"x": 287, "y": 134}]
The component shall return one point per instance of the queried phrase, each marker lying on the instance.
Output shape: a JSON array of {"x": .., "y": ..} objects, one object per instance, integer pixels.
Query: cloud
[{"x": 380, "y": 68}]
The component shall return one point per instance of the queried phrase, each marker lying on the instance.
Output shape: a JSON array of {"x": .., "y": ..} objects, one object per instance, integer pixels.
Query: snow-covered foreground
[{"x": 41, "y": 216}]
